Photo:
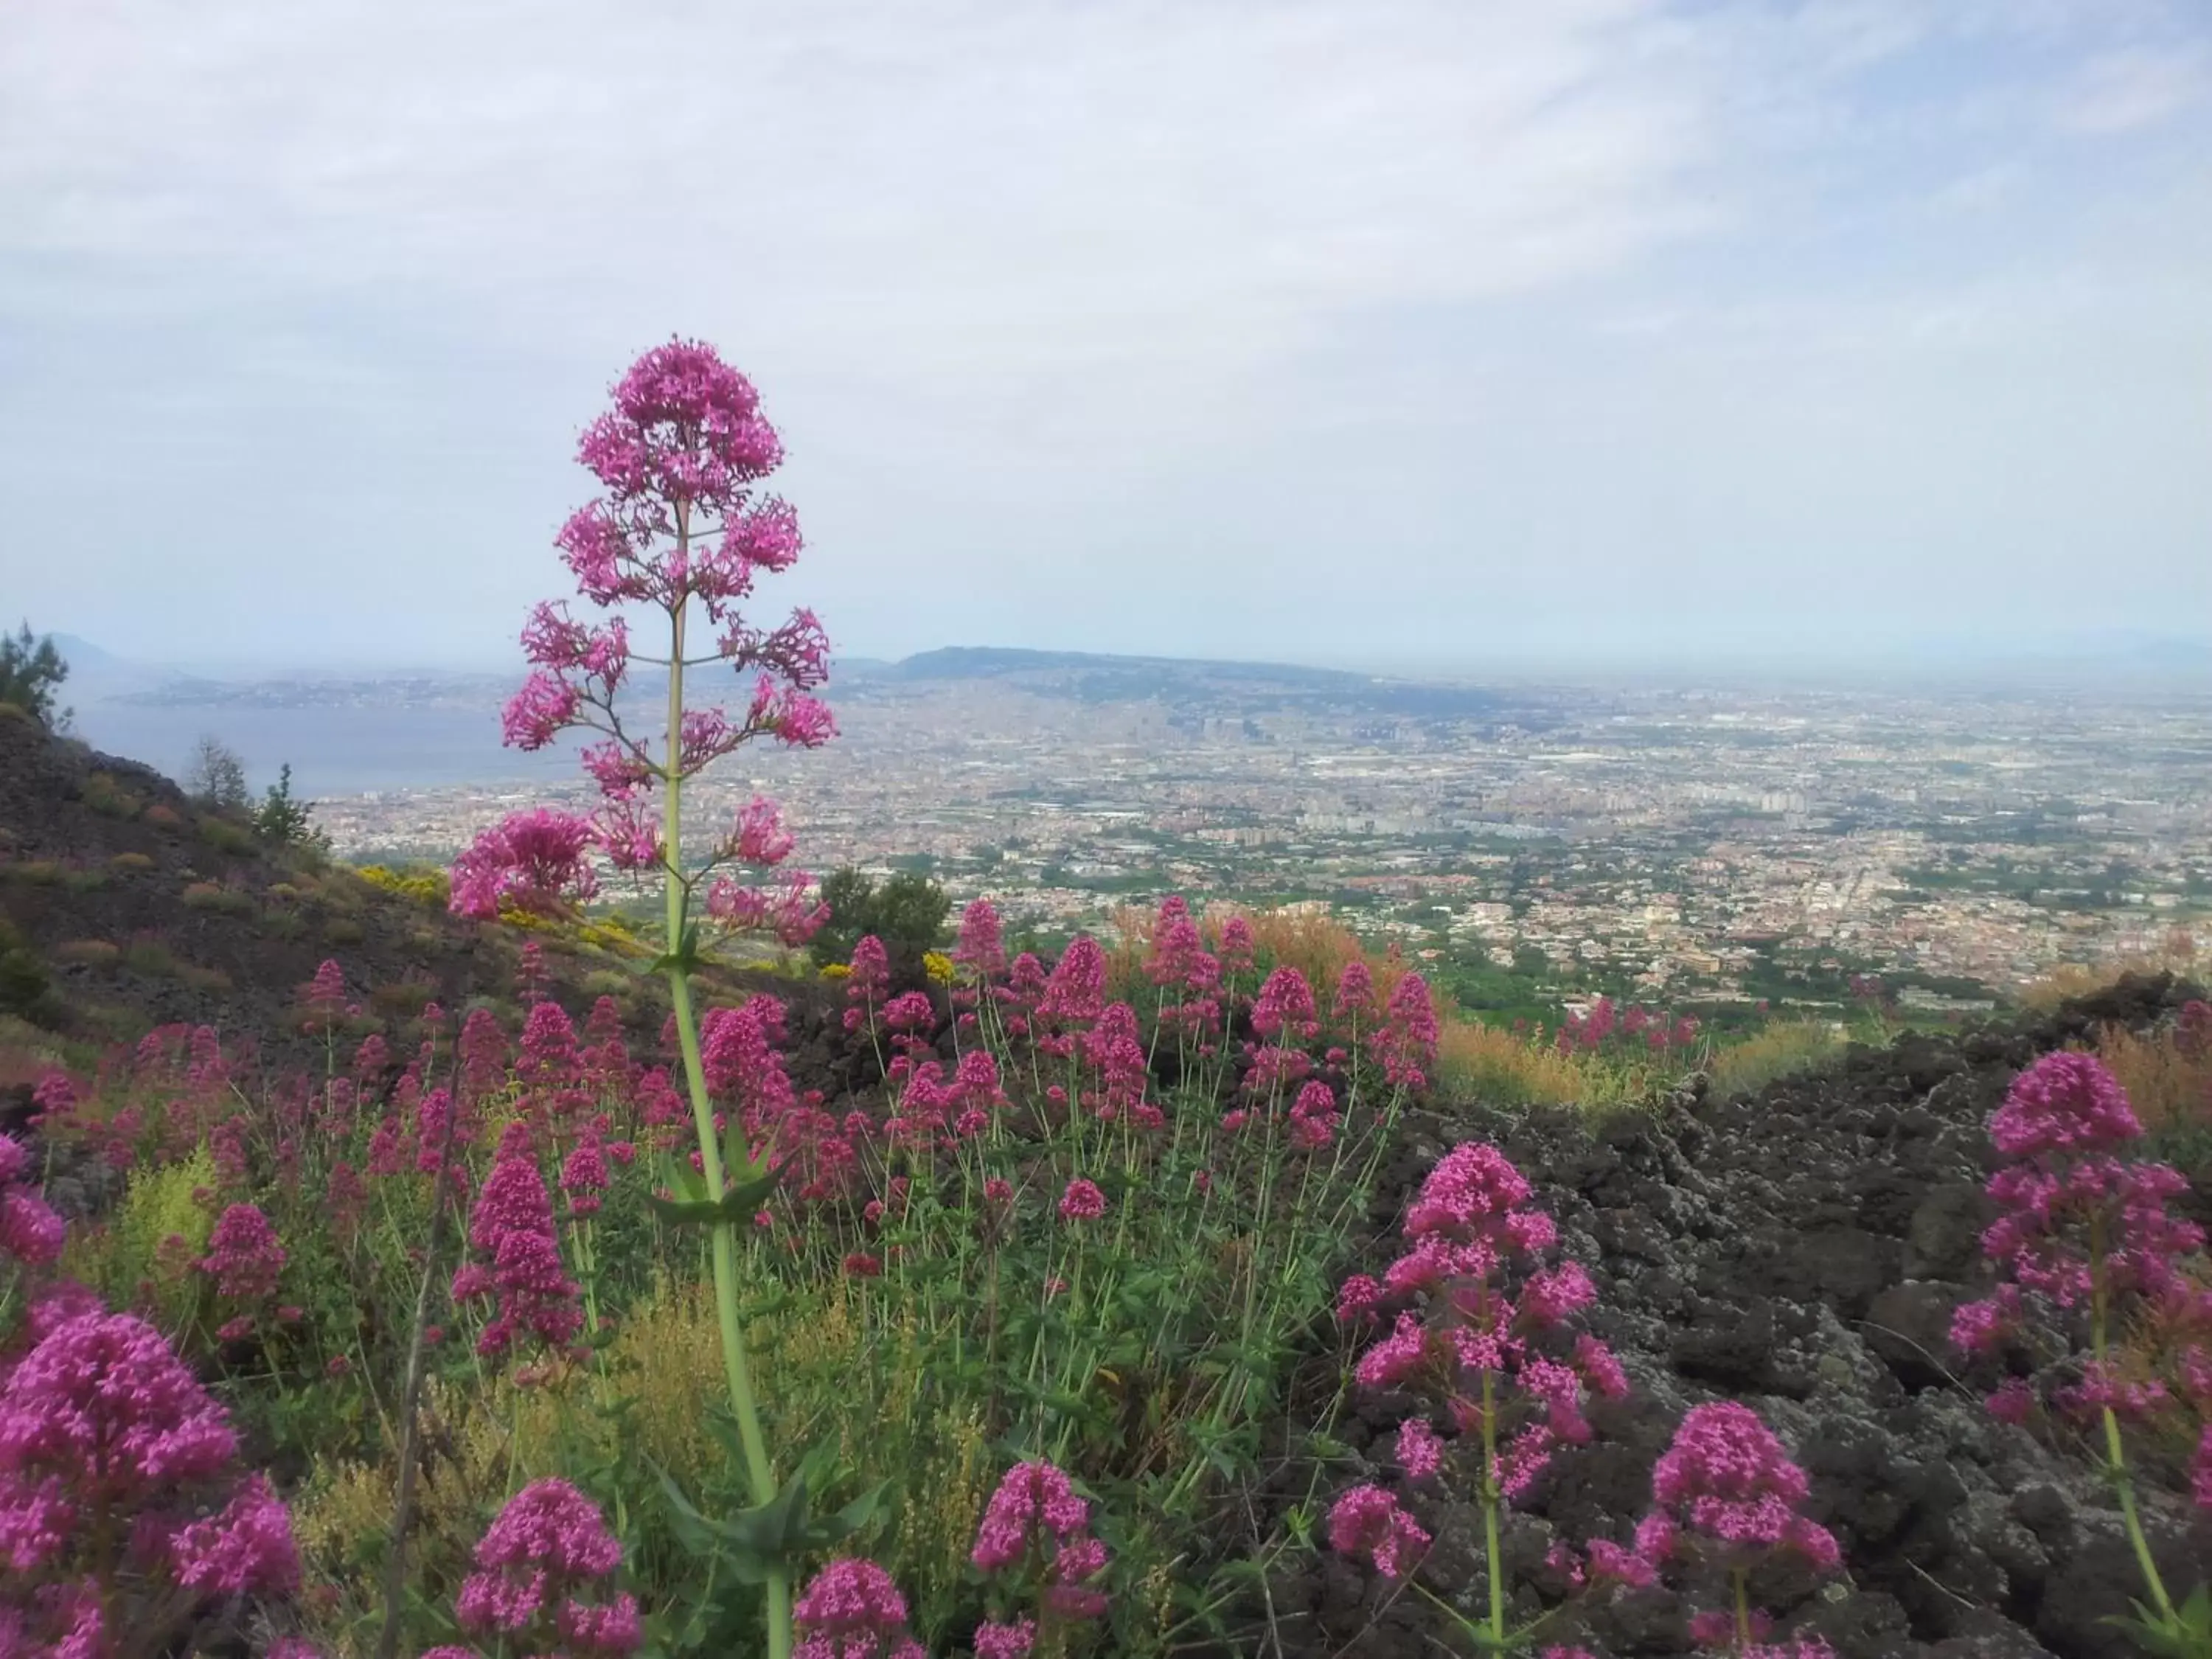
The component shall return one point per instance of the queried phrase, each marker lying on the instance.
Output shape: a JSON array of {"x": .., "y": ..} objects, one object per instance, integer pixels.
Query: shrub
[
  {"x": 23, "y": 977},
  {"x": 163, "y": 815},
  {"x": 89, "y": 953},
  {"x": 30, "y": 671},
  {"x": 149, "y": 955},
  {"x": 1480, "y": 1062},
  {"x": 132, "y": 862},
  {"x": 213, "y": 896},
  {"x": 282, "y": 924},
  {"x": 212, "y": 980},
  {"x": 286, "y": 822},
  {"x": 343, "y": 930},
  {"x": 403, "y": 997},
  {"x": 423, "y": 884},
  {"x": 228, "y": 837},
  {"x": 2168, "y": 1073},
  {"x": 108, "y": 798},
  {"x": 906, "y": 912}
]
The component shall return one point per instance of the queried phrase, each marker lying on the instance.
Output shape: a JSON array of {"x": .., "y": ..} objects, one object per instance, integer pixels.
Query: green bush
[
  {"x": 109, "y": 798},
  {"x": 23, "y": 979},
  {"x": 906, "y": 912},
  {"x": 226, "y": 837},
  {"x": 31, "y": 671}
]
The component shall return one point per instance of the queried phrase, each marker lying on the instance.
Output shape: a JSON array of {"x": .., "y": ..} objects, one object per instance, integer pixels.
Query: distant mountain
[
  {"x": 976, "y": 662},
  {"x": 1223, "y": 688},
  {"x": 84, "y": 657}
]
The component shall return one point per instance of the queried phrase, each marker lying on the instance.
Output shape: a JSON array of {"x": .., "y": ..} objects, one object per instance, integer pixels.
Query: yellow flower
[
  {"x": 938, "y": 966},
  {"x": 836, "y": 970}
]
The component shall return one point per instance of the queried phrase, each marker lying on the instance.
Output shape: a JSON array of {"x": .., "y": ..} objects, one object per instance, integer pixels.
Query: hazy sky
[{"x": 1360, "y": 330}]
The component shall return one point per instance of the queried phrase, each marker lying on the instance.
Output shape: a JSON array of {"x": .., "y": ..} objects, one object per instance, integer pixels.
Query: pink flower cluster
[
  {"x": 852, "y": 1610},
  {"x": 519, "y": 1257},
  {"x": 982, "y": 947},
  {"x": 1488, "y": 1334},
  {"x": 2078, "y": 1225},
  {"x": 679, "y": 454},
  {"x": 541, "y": 1580},
  {"x": 1726, "y": 1496},
  {"x": 1602, "y": 1022},
  {"x": 1493, "y": 1315},
  {"x": 118, "y": 1473},
  {"x": 1036, "y": 1533},
  {"x": 244, "y": 1258},
  {"x": 1726, "y": 1489},
  {"x": 536, "y": 861},
  {"x": 1368, "y": 1522},
  {"x": 30, "y": 1231},
  {"x": 1409, "y": 1034}
]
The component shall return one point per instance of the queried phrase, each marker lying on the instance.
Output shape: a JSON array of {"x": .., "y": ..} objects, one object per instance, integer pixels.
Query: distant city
[{"x": 1677, "y": 842}]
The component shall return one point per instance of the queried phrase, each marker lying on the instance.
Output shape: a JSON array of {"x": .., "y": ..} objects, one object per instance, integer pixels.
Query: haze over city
[{"x": 1425, "y": 336}]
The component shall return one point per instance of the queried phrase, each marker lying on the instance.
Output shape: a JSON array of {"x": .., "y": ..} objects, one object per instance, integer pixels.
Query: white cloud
[
  {"x": 2121, "y": 91},
  {"x": 1164, "y": 291}
]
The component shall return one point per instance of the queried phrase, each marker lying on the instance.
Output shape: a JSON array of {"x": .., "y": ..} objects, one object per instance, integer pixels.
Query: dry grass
[
  {"x": 1778, "y": 1051},
  {"x": 1484, "y": 1063},
  {"x": 2168, "y": 1079},
  {"x": 2177, "y": 955}
]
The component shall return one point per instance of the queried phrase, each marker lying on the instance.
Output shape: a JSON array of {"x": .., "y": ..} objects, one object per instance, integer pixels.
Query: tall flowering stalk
[
  {"x": 682, "y": 530},
  {"x": 1727, "y": 1495},
  {"x": 2082, "y": 1238},
  {"x": 1488, "y": 1333}
]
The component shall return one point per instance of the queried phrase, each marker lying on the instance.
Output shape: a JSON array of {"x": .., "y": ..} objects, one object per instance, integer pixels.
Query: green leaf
[
  {"x": 693, "y": 1208},
  {"x": 684, "y": 959},
  {"x": 770, "y": 1536},
  {"x": 849, "y": 1520}
]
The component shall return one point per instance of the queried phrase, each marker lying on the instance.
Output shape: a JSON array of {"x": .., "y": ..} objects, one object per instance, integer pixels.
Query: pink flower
[
  {"x": 247, "y": 1549},
  {"x": 1420, "y": 1452},
  {"x": 1357, "y": 1300},
  {"x": 1367, "y": 1520},
  {"x": 760, "y": 838},
  {"x": 533, "y": 861},
  {"x": 30, "y": 1231},
  {"x": 1285, "y": 1006},
  {"x": 993, "y": 1640},
  {"x": 1035, "y": 1523},
  {"x": 244, "y": 1256},
  {"x": 1409, "y": 1034},
  {"x": 1075, "y": 994},
  {"x": 101, "y": 1420},
  {"x": 2064, "y": 1102},
  {"x": 852, "y": 1610},
  {"x": 981, "y": 949},
  {"x": 1082, "y": 1201},
  {"x": 1355, "y": 995},
  {"x": 1732, "y": 1489},
  {"x": 540, "y": 1570},
  {"x": 1238, "y": 946},
  {"x": 511, "y": 1230}
]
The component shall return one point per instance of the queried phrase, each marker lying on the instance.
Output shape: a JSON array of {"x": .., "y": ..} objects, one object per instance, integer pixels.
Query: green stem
[
  {"x": 2115, "y": 1457},
  {"x": 760, "y": 1474},
  {"x": 1743, "y": 1606},
  {"x": 1490, "y": 1506}
]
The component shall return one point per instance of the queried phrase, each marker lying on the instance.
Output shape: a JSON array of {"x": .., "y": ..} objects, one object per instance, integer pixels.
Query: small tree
[
  {"x": 30, "y": 671},
  {"x": 908, "y": 910},
  {"x": 286, "y": 822},
  {"x": 216, "y": 776}
]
